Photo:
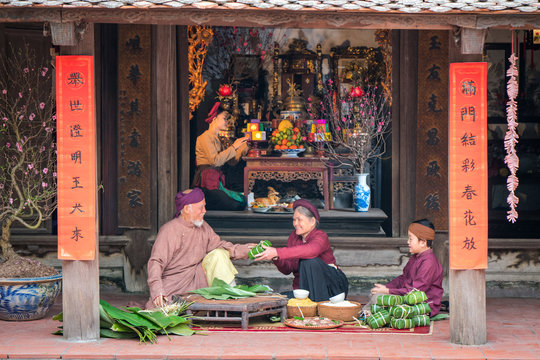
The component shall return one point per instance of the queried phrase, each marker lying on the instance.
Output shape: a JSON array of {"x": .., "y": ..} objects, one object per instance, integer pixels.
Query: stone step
[{"x": 336, "y": 223}]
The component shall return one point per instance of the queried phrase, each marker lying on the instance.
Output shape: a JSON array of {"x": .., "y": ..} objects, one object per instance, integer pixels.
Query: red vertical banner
[
  {"x": 76, "y": 132},
  {"x": 467, "y": 168}
]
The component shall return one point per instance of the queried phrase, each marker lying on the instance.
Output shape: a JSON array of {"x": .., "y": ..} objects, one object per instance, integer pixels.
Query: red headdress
[{"x": 213, "y": 113}]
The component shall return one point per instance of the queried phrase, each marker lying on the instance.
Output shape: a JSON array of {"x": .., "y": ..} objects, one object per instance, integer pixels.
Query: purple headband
[
  {"x": 213, "y": 112},
  {"x": 182, "y": 199},
  {"x": 305, "y": 203}
]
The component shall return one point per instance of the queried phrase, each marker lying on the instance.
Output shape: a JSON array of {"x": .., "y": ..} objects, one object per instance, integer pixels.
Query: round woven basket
[
  {"x": 345, "y": 313},
  {"x": 308, "y": 311}
]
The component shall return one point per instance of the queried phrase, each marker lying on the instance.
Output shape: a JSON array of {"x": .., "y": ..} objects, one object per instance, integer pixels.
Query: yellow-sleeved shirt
[{"x": 208, "y": 151}]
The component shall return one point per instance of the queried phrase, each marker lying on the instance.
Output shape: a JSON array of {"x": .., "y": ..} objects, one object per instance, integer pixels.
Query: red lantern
[
  {"x": 225, "y": 90},
  {"x": 357, "y": 92}
]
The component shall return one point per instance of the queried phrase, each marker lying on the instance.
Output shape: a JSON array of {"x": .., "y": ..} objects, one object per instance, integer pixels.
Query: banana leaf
[
  {"x": 108, "y": 333},
  {"x": 220, "y": 290},
  {"x": 131, "y": 318},
  {"x": 257, "y": 288},
  {"x": 133, "y": 322},
  {"x": 181, "y": 329}
]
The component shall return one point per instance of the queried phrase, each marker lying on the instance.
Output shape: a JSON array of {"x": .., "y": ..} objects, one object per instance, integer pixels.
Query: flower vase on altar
[{"x": 361, "y": 194}]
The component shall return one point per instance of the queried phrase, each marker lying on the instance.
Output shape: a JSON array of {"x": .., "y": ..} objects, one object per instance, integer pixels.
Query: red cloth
[
  {"x": 422, "y": 272},
  {"x": 316, "y": 245},
  {"x": 211, "y": 177}
]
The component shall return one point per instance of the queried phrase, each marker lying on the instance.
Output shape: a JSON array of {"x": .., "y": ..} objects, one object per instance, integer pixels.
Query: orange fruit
[
  {"x": 284, "y": 142},
  {"x": 293, "y": 147}
]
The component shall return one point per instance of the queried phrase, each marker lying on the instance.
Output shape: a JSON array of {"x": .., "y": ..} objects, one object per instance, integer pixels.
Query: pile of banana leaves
[
  {"x": 145, "y": 324},
  {"x": 220, "y": 290}
]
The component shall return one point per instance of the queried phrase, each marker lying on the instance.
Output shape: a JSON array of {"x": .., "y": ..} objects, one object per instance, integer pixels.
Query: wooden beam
[
  {"x": 396, "y": 144},
  {"x": 467, "y": 287},
  {"x": 468, "y": 307},
  {"x": 165, "y": 99},
  {"x": 80, "y": 279},
  {"x": 276, "y": 18},
  {"x": 184, "y": 135},
  {"x": 407, "y": 127}
]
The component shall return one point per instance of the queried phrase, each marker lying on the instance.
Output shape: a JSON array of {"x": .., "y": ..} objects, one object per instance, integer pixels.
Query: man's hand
[
  {"x": 269, "y": 253},
  {"x": 380, "y": 289},
  {"x": 160, "y": 301}
]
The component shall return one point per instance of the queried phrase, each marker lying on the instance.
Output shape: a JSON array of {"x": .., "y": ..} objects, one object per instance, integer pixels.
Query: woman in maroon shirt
[{"x": 308, "y": 256}]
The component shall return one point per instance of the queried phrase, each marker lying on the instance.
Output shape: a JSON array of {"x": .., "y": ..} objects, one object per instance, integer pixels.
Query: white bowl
[
  {"x": 300, "y": 293},
  {"x": 338, "y": 298}
]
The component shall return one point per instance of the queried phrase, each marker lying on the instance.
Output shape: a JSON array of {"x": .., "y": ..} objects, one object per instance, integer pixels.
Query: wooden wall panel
[{"x": 432, "y": 128}]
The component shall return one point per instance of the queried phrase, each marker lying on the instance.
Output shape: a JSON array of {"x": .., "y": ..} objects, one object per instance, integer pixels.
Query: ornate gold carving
[
  {"x": 383, "y": 38},
  {"x": 199, "y": 38}
]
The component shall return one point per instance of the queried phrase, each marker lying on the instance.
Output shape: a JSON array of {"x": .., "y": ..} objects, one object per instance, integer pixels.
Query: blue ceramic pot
[
  {"x": 28, "y": 298},
  {"x": 362, "y": 194}
]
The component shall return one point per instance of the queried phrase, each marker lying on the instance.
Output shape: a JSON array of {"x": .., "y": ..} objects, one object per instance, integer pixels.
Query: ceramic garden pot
[
  {"x": 361, "y": 194},
  {"x": 28, "y": 298}
]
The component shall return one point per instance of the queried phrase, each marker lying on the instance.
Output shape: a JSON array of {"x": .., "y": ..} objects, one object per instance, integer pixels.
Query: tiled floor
[{"x": 513, "y": 333}]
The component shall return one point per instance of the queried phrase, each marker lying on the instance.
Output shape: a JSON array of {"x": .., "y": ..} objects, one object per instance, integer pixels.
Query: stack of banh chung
[{"x": 400, "y": 312}]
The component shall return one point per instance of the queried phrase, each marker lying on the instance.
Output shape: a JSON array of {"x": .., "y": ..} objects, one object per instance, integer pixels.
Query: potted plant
[
  {"x": 27, "y": 180},
  {"x": 359, "y": 123}
]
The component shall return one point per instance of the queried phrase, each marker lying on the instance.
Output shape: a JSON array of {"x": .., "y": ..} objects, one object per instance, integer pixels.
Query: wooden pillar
[
  {"x": 80, "y": 279},
  {"x": 404, "y": 109},
  {"x": 467, "y": 287},
  {"x": 184, "y": 132},
  {"x": 165, "y": 100}
]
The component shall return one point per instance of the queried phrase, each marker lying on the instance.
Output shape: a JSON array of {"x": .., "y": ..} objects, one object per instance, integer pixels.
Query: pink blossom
[
  {"x": 21, "y": 117},
  {"x": 54, "y": 117},
  {"x": 42, "y": 149},
  {"x": 25, "y": 70},
  {"x": 8, "y": 145},
  {"x": 45, "y": 170},
  {"x": 32, "y": 116},
  {"x": 44, "y": 124},
  {"x": 5, "y": 119},
  {"x": 1, "y": 186},
  {"x": 20, "y": 95},
  {"x": 42, "y": 106},
  {"x": 54, "y": 174},
  {"x": 19, "y": 147},
  {"x": 4, "y": 91},
  {"x": 30, "y": 166},
  {"x": 44, "y": 184},
  {"x": 11, "y": 200}
]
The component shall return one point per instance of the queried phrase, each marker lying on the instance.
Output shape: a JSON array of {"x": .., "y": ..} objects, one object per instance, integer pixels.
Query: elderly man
[{"x": 188, "y": 254}]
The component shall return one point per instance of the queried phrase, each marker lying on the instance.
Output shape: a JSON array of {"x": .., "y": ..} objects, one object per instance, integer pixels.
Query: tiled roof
[{"x": 400, "y": 6}]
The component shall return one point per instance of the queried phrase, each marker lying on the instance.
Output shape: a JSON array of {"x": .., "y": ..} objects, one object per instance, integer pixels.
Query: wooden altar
[{"x": 287, "y": 169}]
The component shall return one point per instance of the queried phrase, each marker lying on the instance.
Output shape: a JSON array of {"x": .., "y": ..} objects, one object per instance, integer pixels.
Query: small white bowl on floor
[{"x": 300, "y": 294}]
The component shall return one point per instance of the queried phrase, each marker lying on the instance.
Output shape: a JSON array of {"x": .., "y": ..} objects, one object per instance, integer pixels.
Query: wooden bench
[{"x": 229, "y": 310}]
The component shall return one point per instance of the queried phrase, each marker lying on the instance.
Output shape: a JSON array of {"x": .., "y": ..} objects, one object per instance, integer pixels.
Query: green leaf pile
[
  {"x": 220, "y": 290},
  {"x": 145, "y": 324}
]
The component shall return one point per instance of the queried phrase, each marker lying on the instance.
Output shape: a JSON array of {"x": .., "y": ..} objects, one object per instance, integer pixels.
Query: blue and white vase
[
  {"x": 28, "y": 298},
  {"x": 362, "y": 193}
]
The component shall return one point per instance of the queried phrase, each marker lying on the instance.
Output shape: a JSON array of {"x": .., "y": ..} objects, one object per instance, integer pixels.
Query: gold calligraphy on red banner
[
  {"x": 468, "y": 187},
  {"x": 76, "y": 133}
]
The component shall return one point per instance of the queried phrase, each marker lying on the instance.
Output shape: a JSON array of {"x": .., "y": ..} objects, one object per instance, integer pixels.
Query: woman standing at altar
[
  {"x": 210, "y": 156},
  {"x": 308, "y": 256}
]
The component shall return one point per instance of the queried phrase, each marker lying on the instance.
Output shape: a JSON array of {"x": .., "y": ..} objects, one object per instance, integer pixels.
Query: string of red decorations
[{"x": 511, "y": 139}]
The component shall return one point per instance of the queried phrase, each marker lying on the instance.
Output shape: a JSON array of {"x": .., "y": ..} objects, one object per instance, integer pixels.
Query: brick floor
[{"x": 513, "y": 332}]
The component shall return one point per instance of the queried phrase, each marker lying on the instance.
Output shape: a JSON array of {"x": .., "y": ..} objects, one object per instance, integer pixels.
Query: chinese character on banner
[
  {"x": 468, "y": 191},
  {"x": 76, "y": 132}
]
